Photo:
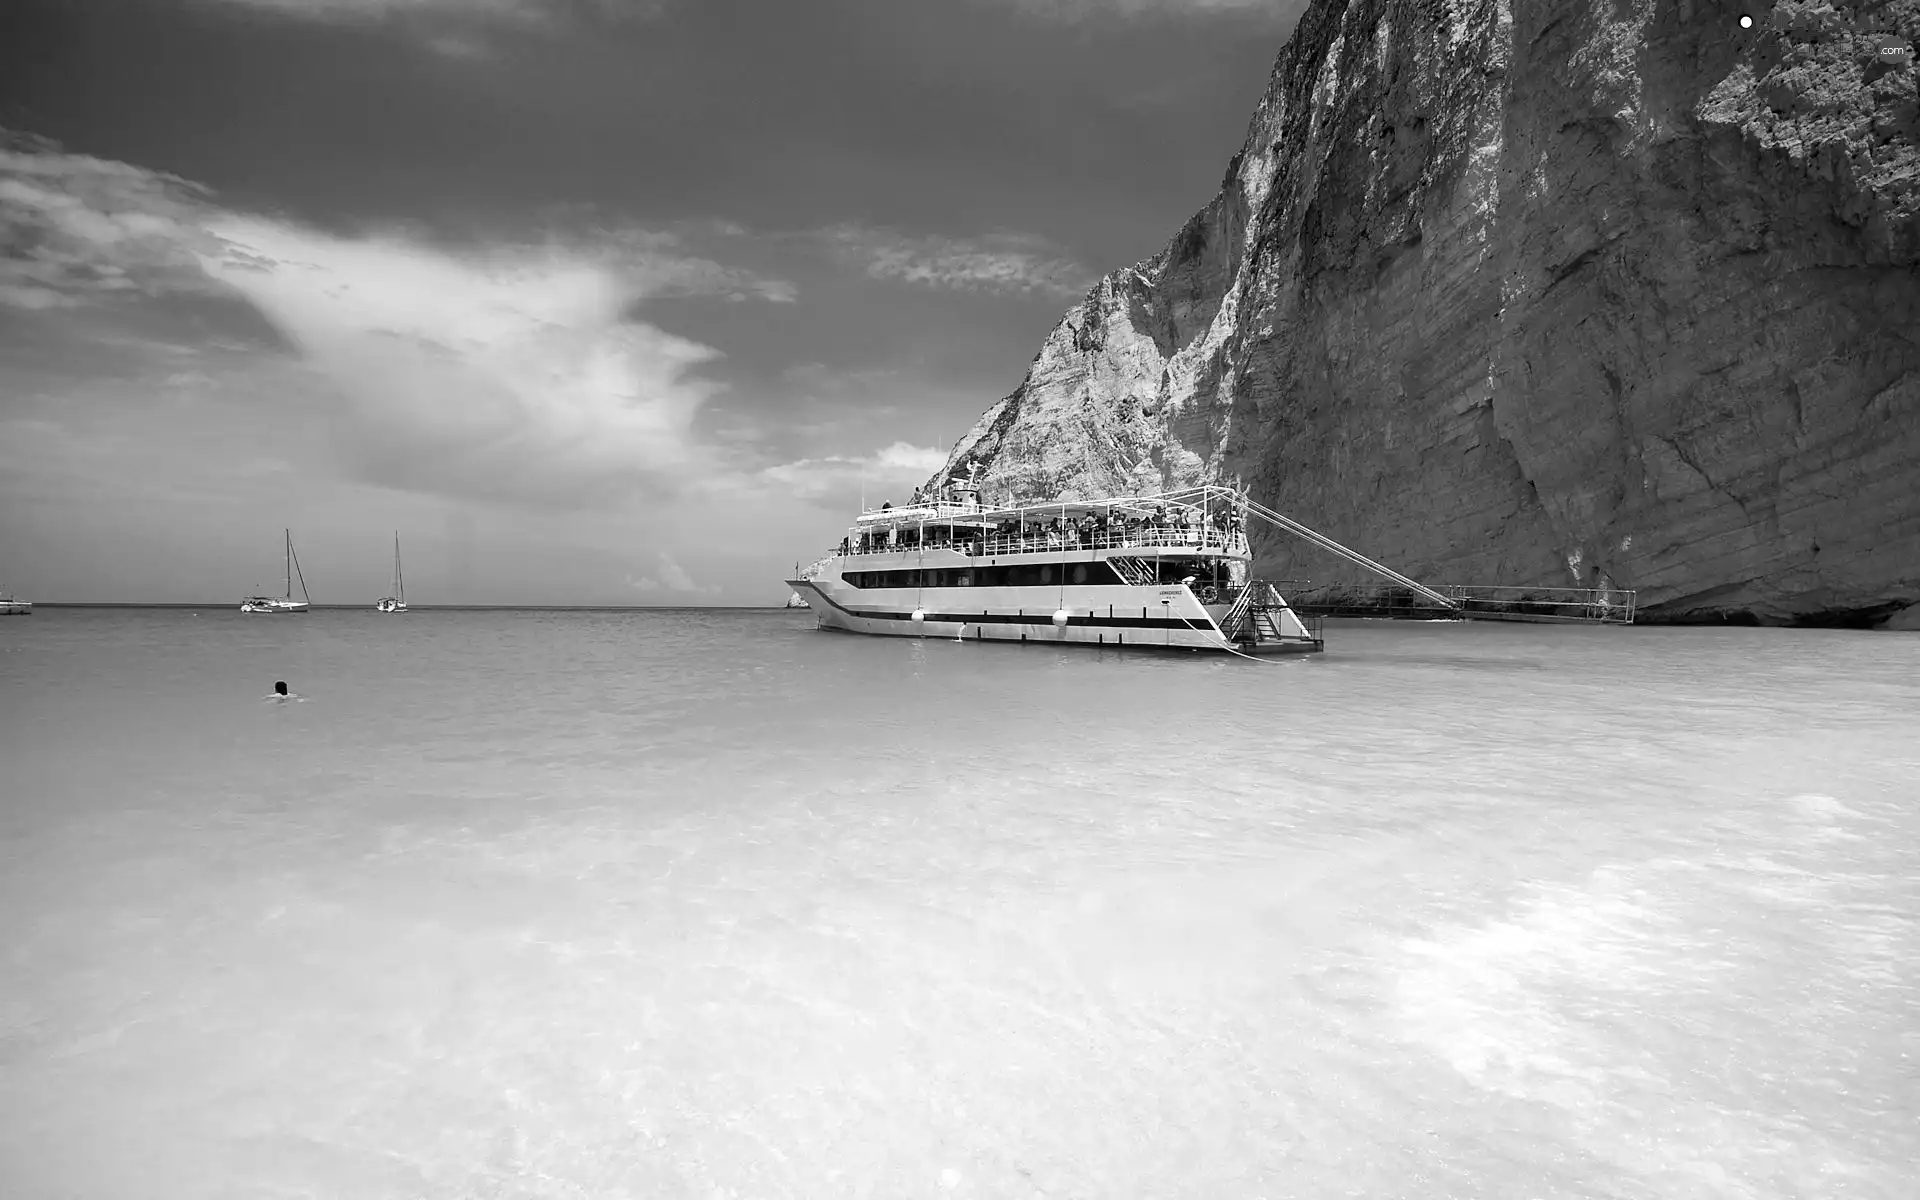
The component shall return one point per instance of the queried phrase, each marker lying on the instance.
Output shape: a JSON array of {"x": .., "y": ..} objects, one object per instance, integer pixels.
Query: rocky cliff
[{"x": 1563, "y": 291}]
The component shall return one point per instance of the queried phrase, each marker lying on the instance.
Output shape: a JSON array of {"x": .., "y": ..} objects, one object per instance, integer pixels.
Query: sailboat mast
[
  {"x": 399, "y": 580},
  {"x": 289, "y": 536}
]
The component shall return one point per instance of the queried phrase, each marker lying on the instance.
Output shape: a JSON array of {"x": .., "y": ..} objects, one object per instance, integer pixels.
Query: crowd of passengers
[{"x": 1182, "y": 526}]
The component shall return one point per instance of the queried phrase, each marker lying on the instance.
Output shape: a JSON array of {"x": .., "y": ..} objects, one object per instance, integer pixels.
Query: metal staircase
[
  {"x": 1136, "y": 571},
  {"x": 1255, "y": 618},
  {"x": 1266, "y": 625},
  {"x": 1236, "y": 615}
]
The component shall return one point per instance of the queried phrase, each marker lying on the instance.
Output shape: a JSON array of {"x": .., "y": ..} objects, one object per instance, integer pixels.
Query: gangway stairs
[{"x": 1260, "y": 621}]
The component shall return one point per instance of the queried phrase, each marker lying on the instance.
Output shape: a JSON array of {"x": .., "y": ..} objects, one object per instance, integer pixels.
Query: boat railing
[
  {"x": 1145, "y": 538},
  {"x": 926, "y": 510}
]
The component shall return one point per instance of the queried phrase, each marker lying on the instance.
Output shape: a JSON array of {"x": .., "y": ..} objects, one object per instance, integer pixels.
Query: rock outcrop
[{"x": 1560, "y": 292}]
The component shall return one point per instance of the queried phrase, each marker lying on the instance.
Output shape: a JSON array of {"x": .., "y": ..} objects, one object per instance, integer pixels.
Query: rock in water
[{"x": 1544, "y": 293}]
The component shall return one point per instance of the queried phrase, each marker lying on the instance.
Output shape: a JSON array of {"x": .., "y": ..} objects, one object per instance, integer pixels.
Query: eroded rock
[{"x": 1530, "y": 294}]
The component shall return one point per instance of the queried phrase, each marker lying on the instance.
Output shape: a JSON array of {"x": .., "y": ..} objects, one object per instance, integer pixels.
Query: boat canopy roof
[{"x": 1200, "y": 499}]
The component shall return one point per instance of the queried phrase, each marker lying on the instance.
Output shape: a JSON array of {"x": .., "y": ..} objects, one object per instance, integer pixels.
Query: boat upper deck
[
  {"x": 1204, "y": 520},
  {"x": 1231, "y": 544}
]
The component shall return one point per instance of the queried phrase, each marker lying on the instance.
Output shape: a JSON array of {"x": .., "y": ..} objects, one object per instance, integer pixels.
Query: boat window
[{"x": 1033, "y": 575}]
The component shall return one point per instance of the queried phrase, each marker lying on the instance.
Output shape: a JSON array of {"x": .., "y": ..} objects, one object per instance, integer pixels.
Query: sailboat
[
  {"x": 279, "y": 604},
  {"x": 397, "y": 602}
]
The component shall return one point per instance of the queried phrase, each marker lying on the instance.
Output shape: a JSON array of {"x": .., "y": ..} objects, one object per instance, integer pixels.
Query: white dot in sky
[{"x": 1746, "y": 22}]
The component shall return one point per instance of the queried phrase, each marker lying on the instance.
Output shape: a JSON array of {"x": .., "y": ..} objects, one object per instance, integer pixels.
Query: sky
[{"x": 594, "y": 302}]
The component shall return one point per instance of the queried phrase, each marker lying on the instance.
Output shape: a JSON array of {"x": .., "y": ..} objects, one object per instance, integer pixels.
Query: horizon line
[{"x": 410, "y": 607}]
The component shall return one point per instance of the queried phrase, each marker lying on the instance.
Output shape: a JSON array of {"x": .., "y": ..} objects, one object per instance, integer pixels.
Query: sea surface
[{"x": 714, "y": 904}]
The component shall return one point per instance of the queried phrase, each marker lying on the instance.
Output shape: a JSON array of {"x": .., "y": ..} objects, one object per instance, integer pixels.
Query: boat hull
[
  {"x": 390, "y": 606},
  {"x": 1150, "y": 617},
  {"x": 274, "y": 607},
  {"x": 16, "y": 608}
]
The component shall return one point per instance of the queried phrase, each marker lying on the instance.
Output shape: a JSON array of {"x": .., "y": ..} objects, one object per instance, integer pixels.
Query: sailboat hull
[
  {"x": 390, "y": 606},
  {"x": 280, "y": 604}
]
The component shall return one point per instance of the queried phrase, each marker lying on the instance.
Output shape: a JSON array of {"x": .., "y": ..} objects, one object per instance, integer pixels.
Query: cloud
[
  {"x": 503, "y": 373},
  {"x": 668, "y": 576},
  {"x": 458, "y": 29},
  {"x": 516, "y": 11},
  {"x": 511, "y": 370},
  {"x": 74, "y": 227},
  {"x": 999, "y": 263},
  {"x": 1269, "y": 11},
  {"x": 560, "y": 12},
  {"x": 899, "y": 466}
]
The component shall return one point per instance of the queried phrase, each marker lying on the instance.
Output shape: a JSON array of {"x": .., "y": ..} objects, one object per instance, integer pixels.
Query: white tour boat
[
  {"x": 396, "y": 602},
  {"x": 13, "y": 606},
  {"x": 282, "y": 604},
  {"x": 1168, "y": 570}
]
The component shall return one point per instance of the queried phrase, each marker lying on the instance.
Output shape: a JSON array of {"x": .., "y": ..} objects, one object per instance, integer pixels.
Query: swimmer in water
[{"x": 280, "y": 692}]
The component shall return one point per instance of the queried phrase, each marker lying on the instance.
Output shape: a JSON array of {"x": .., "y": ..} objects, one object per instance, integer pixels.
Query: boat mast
[
  {"x": 294, "y": 563},
  {"x": 289, "y": 536},
  {"x": 399, "y": 580}
]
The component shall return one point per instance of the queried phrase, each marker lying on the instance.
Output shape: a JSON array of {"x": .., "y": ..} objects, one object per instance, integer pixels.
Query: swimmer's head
[{"x": 280, "y": 688}]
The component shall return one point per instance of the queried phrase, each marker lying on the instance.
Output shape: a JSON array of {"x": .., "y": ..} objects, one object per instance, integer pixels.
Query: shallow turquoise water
[{"x": 710, "y": 903}]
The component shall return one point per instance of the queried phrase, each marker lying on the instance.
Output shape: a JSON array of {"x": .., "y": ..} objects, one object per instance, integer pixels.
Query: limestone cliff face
[{"x": 1550, "y": 292}]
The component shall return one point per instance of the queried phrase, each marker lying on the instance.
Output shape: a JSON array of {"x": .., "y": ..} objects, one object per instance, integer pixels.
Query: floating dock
[{"x": 1586, "y": 606}]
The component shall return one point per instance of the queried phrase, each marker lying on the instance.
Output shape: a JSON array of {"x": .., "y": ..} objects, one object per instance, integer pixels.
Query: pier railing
[
  {"x": 1610, "y": 606},
  {"x": 1601, "y": 605}
]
